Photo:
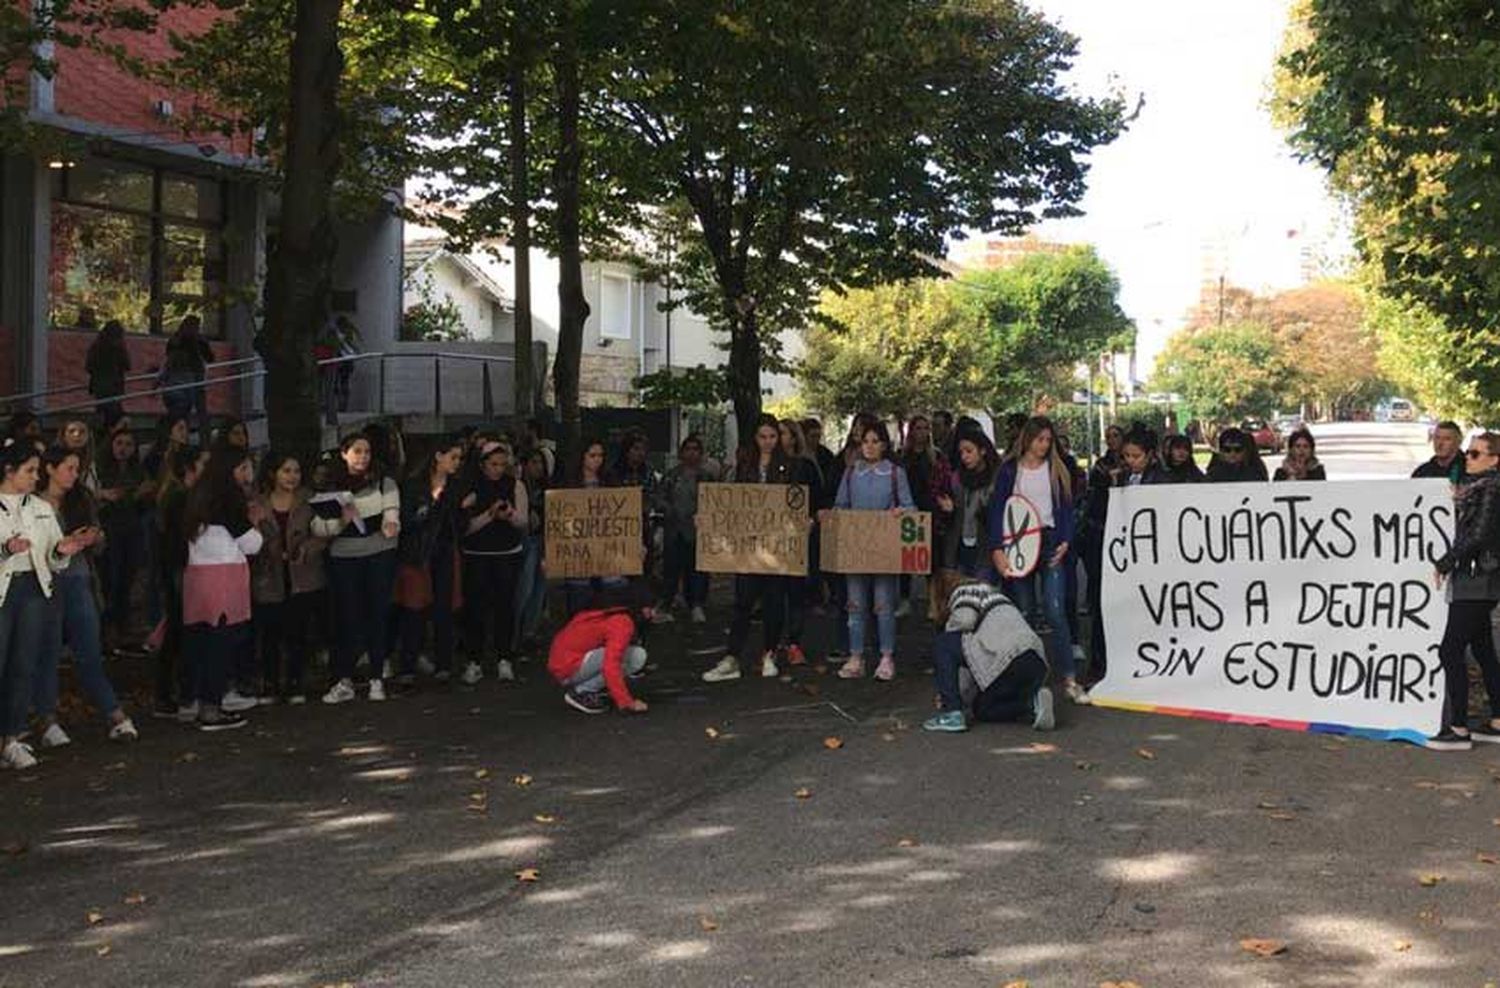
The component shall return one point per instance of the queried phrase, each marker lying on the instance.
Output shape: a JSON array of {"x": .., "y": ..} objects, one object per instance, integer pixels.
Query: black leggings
[
  {"x": 490, "y": 594},
  {"x": 771, "y": 592},
  {"x": 1468, "y": 627}
]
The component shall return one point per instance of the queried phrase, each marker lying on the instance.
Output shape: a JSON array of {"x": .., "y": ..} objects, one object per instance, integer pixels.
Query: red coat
[{"x": 610, "y": 630}]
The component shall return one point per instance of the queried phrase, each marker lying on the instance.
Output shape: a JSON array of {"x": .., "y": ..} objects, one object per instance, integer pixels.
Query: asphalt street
[{"x": 765, "y": 832}]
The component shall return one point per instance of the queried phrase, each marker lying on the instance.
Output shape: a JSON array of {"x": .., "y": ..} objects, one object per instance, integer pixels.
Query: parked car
[
  {"x": 1265, "y": 436},
  {"x": 1288, "y": 424},
  {"x": 1402, "y": 410}
]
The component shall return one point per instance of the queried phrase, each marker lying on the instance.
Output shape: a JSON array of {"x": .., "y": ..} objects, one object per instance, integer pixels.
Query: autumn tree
[{"x": 1330, "y": 346}]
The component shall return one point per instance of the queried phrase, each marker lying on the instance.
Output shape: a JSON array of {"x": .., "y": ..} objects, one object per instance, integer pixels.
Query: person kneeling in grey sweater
[{"x": 988, "y": 660}]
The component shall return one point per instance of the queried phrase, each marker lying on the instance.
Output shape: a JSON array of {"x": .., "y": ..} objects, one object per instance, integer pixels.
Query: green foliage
[
  {"x": 1398, "y": 101},
  {"x": 692, "y": 387},
  {"x": 1423, "y": 361},
  {"x": 894, "y": 349},
  {"x": 1042, "y": 317},
  {"x": 433, "y": 319},
  {"x": 1225, "y": 373}
]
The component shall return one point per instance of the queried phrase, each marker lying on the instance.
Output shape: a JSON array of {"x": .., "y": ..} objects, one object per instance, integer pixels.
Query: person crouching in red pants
[{"x": 594, "y": 652}]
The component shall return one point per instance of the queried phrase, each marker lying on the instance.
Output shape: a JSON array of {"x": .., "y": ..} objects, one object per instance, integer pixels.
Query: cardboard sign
[
  {"x": 1302, "y": 606},
  {"x": 876, "y": 542},
  {"x": 752, "y": 528},
  {"x": 593, "y": 532}
]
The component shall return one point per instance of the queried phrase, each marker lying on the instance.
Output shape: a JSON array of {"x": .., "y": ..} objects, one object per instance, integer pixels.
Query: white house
[{"x": 432, "y": 274}]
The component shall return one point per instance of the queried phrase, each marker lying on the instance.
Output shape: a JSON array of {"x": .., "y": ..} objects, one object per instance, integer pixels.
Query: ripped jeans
[{"x": 884, "y": 587}]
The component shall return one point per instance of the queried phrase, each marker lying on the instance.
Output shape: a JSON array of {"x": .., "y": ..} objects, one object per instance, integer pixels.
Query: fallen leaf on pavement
[
  {"x": 1283, "y": 816},
  {"x": 1016, "y": 984},
  {"x": 1425, "y": 784},
  {"x": 1042, "y": 747},
  {"x": 479, "y": 796},
  {"x": 529, "y": 875},
  {"x": 1145, "y": 753},
  {"x": 712, "y": 733},
  {"x": 135, "y": 899},
  {"x": 103, "y": 950},
  {"x": 708, "y": 923},
  {"x": 1262, "y": 948},
  {"x": 1485, "y": 858},
  {"x": 545, "y": 818},
  {"x": 482, "y": 773},
  {"x": 833, "y": 743},
  {"x": 523, "y": 780},
  {"x": 1083, "y": 766},
  {"x": 1267, "y": 804},
  {"x": 907, "y": 842},
  {"x": 1428, "y": 881},
  {"x": 892, "y": 737},
  {"x": 94, "y": 917},
  {"x": 1118, "y": 984},
  {"x": 188, "y": 756},
  {"x": 1401, "y": 946},
  {"x": 803, "y": 793}
]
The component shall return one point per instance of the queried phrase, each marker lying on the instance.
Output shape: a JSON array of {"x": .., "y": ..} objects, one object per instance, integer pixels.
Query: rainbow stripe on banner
[{"x": 1312, "y": 727}]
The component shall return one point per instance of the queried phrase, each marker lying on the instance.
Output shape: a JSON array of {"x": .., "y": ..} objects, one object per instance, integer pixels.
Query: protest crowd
[{"x": 240, "y": 574}]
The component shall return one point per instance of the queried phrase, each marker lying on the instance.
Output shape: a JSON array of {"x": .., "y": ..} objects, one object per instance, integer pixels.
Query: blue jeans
[
  {"x": 25, "y": 620},
  {"x": 1054, "y": 603},
  {"x": 1012, "y": 696},
  {"x": 884, "y": 586},
  {"x": 590, "y": 675},
  {"x": 75, "y": 620},
  {"x": 531, "y": 592},
  {"x": 362, "y": 591}
]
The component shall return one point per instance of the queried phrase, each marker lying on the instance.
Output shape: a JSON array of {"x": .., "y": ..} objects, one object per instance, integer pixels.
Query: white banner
[{"x": 1308, "y": 606}]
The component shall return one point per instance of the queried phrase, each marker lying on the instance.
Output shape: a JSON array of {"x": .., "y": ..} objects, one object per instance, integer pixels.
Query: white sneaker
[
  {"x": 388, "y": 671},
  {"x": 17, "y": 755},
  {"x": 124, "y": 731},
  {"x": 698, "y": 616},
  {"x": 55, "y": 737},
  {"x": 342, "y": 692},
  {"x": 768, "y": 668},
  {"x": 1076, "y": 693},
  {"x": 296, "y": 699},
  {"x": 1043, "y": 718},
  {"x": 235, "y": 703},
  {"x": 377, "y": 690},
  {"x": 903, "y": 610},
  {"x": 188, "y": 714},
  {"x": 727, "y": 669},
  {"x": 505, "y": 672},
  {"x": 472, "y": 674},
  {"x": 425, "y": 666}
]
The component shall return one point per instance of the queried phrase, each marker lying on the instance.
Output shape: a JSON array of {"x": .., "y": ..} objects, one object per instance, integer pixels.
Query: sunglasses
[{"x": 1475, "y": 454}]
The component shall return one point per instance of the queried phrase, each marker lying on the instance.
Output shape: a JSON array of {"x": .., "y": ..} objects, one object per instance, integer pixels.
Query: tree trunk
[
  {"x": 744, "y": 370},
  {"x": 298, "y": 289},
  {"x": 573, "y": 307},
  {"x": 520, "y": 224}
]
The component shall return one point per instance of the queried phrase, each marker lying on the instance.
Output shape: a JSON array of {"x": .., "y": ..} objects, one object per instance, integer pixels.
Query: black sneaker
[
  {"x": 225, "y": 721},
  {"x": 1449, "y": 740},
  {"x": 1485, "y": 734},
  {"x": 585, "y": 703}
]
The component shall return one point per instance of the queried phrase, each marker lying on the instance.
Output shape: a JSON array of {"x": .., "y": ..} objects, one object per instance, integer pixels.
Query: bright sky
[{"x": 1202, "y": 183}]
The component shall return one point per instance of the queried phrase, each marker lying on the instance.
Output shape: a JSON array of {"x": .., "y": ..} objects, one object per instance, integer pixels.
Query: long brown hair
[{"x": 1034, "y": 427}]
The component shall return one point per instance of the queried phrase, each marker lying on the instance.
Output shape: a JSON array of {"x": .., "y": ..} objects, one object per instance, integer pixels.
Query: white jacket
[{"x": 36, "y": 522}]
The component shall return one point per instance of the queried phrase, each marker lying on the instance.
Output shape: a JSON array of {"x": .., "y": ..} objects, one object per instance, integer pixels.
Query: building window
[
  {"x": 141, "y": 245},
  {"x": 614, "y": 307}
]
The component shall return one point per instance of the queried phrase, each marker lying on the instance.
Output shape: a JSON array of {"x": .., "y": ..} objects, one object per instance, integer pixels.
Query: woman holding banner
[
  {"x": 874, "y": 483},
  {"x": 761, "y": 463},
  {"x": 805, "y": 471},
  {"x": 1039, "y": 474},
  {"x": 587, "y": 472},
  {"x": 1471, "y": 568}
]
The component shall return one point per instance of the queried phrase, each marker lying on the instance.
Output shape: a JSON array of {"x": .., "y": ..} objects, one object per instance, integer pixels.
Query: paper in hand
[{"x": 332, "y": 504}]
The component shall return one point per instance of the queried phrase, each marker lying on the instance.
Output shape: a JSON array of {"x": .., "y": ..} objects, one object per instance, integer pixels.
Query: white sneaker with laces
[
  {"x": 505, "y": 672},
  {"x": 341, "y": 692},
  {"x": 698, "y": 616},
  {"x": 235, "y": 702},
  {"x": 472, "y": 674},
  {"x": 55, "y": 737},
  {"x": 768, "y": 668},
  {"x": 727, "y": 669},
  {"x": 124, "y": 731},
  {"x": 377, "y": 690},
  {"x": 425, "y": 666},
  {"x": 17, "y": 755}
]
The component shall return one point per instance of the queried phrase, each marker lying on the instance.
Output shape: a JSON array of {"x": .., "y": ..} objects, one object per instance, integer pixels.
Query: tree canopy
[{"x": 1225, "y": 373}]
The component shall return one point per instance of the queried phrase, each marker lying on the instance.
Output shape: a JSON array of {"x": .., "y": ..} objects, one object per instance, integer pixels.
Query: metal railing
[
  {"x": 26, "y": 397},
  {"x": 379, "y": 406}
]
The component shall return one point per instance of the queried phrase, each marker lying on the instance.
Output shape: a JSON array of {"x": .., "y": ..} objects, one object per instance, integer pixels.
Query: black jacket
[
  {"x": 1474, "y": 559},
  {"x": 428, "y": 526},
  {"x": 1221, "y": 471}
]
